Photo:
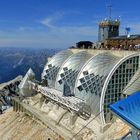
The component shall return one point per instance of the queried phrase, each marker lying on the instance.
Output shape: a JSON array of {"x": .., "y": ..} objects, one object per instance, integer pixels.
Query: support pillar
[
  {"x": 13, "y": 102},
  {"x": 41, "y": 101},
  {"x": 73, "y": 118},
  {"x": 16, "y": 106}
]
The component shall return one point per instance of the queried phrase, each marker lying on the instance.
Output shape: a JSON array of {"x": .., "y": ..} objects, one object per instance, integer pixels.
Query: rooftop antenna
[{"x": 110, "y": 11}]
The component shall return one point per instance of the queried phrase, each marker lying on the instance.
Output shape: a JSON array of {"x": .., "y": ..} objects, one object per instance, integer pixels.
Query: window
[
  {"x": 66, "y": 72},
  {"x": 92, "y": 75},
  {"x": 62, "y": 75},
  {"x": 89, "y": 82},
  {"x": 60, "y": 82},
  {"x": 84, "y": 85},
  {"x": 49, "y": 65},
  {"x": 80, "y": 88},
  {"x": 85, "y": 72},
  {"x": 65, "y": 69},
  {"x": 82, "y": 80},
  {"x": 70, "y": 70},
  {"x": 93, "y": 80},
  {"x": 119, "y": 80},
  {"x": 90, "y": 87},
  {"x": 87, "y": 77}
]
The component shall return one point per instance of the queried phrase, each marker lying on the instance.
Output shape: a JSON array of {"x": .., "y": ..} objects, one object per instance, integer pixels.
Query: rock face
[
  {"x": 8, "y": 90},
  {"x": 16, "y": 126}
]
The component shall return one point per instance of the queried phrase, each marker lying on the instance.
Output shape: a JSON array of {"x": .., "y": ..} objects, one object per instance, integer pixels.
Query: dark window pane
[
  {"x": 85, "y": 72},
  {"x": 80, "y": 88},
  {"x": 87, "y": 77},
  {"x": 65, "y": 69},
  {"x": 85, "y": 85},
  {"x": 92, "y": 75},
  {"x": 89, "y": 82},
  {"x": 62, "y": 75},
  {"x": 60, "y": 82},
  {"x": 49, "y": 65},
  {"x": 82, "y": 80}
]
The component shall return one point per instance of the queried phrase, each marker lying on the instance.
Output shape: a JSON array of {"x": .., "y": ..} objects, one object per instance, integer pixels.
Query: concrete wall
[{"x": 119, "y": 53}]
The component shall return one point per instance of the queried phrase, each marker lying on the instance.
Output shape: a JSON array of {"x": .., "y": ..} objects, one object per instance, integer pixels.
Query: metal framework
[{"x": 70, "y": 103}]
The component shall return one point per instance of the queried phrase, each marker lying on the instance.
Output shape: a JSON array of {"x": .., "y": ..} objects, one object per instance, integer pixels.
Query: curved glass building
[
  {"x": 98, "y": 80},
  {"x": 52, "y": 67},
  {"x": 117, "y": 79},
  {"x": 90, "y": 81},
  {"x": 70, "y": 69}
]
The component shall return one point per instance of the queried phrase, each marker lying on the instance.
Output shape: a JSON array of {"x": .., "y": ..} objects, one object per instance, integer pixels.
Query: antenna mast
[{"x": 110, "y": 11}]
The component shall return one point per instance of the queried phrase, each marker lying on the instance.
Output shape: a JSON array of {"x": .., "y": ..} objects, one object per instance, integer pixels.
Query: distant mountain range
[{"x": 16, "y": 61}]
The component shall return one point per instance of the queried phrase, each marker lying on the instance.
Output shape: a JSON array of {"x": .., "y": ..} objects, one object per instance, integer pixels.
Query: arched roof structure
[
  {"x": 91, "y": 79},
  {"x": 98, "y": 80},
  {"x": 102, "y": 79},
  {"x": 52, "y": 67},
  {"x": 70, "y": 69},
  {"x": 118, "y": 78}
]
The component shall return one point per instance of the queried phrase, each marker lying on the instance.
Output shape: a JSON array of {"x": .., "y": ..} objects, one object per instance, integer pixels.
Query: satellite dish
[{"x": 128, "y": 29}]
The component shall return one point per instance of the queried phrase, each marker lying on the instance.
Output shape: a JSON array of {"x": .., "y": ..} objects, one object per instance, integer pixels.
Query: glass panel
[
  {"x": 80, "y": 88},
  {"x": 85, "y": 72}
]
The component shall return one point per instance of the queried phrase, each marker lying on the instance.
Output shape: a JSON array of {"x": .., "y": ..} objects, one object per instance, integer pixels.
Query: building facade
[
  {"x": 98, "y": 80},
  {"x": 108, "y": 29}
]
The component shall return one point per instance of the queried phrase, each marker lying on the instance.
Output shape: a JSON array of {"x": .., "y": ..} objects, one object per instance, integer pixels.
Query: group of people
[{"x": 120, "y": 47}]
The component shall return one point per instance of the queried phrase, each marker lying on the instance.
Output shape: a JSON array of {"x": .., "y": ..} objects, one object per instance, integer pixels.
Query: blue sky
[{"x": 60, "y": 23}]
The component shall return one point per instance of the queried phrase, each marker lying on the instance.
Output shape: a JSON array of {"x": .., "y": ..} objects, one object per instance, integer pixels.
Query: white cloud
[
  {"x": 50, "y": 20},
  {"x": 56, "y": 36},
  {"x": 47, "y": 22}
]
